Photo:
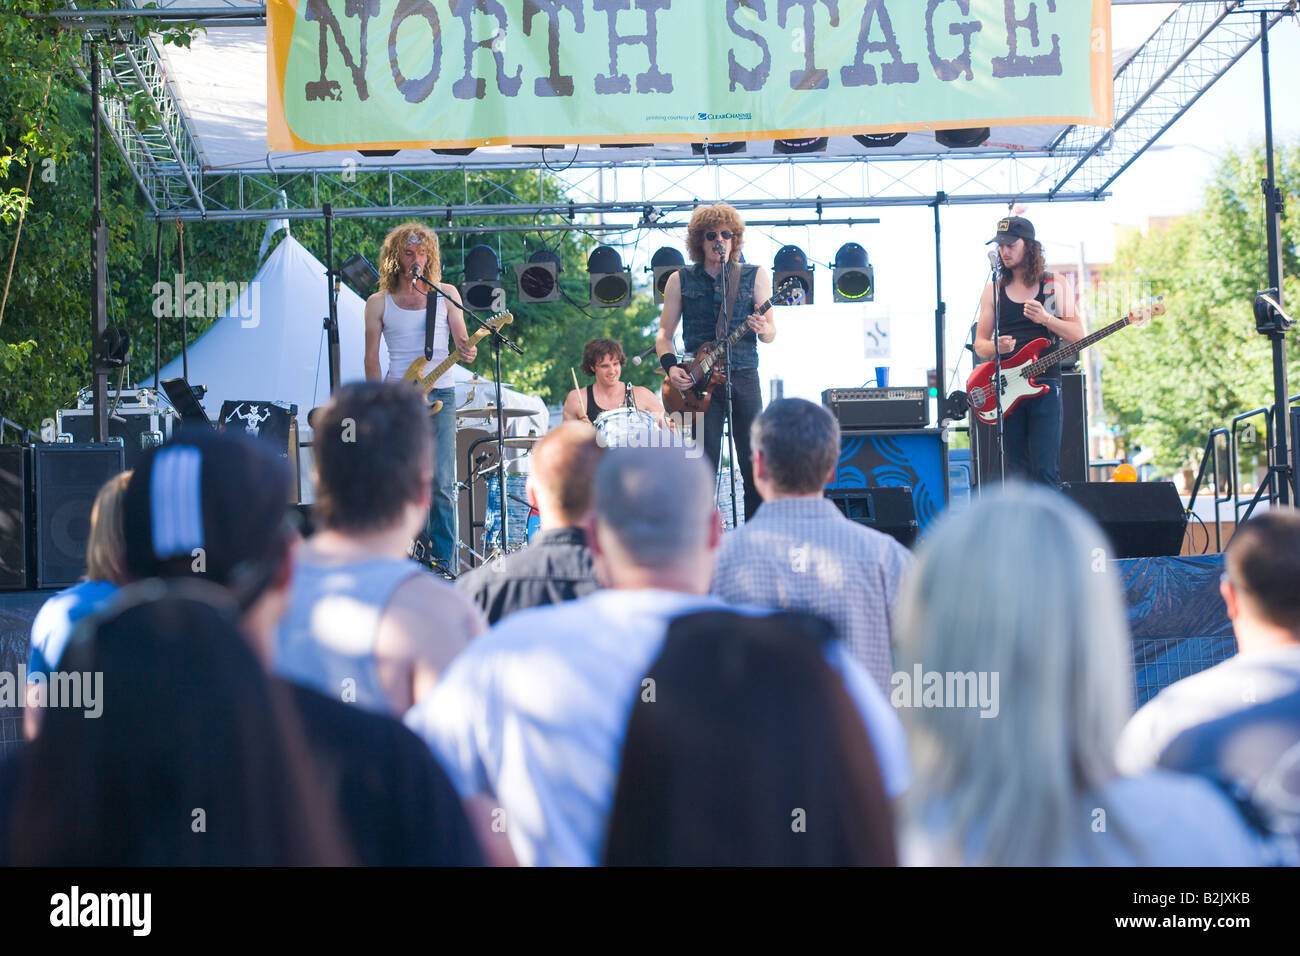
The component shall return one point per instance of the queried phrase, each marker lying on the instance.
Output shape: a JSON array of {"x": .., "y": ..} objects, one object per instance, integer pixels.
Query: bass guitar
[
  {"x": 425, "y": 382},
  {"x": 707, "y": 369},
  {"x": 1018, "y": 370}
]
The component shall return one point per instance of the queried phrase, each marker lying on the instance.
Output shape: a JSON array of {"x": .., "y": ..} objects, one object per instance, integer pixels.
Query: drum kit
[
  {"x": 478, "y": 520},
  {"x": 478, "y": 514}
]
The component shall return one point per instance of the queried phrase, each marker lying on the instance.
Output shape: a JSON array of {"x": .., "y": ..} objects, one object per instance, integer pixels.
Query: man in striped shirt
[{"x": 799, "y": 553}]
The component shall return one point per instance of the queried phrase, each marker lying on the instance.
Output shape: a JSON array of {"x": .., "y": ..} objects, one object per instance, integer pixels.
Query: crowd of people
[{"x": 635, "y": 686}]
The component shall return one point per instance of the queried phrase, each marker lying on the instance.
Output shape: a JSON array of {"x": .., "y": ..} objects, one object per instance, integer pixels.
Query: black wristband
[{"x": 667, "y": 360}]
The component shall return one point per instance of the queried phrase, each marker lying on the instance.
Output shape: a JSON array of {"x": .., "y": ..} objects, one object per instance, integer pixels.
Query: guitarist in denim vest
[
  {"x": 693, "y": 296},
  {"x": 1031, "y": 304}
]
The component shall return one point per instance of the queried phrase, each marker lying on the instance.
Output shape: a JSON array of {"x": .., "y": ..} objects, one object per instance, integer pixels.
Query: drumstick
[{"x": 578, "y": 388}]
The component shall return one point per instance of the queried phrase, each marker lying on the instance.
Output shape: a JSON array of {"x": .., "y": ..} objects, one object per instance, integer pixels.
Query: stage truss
[{"x": 1195, "y": 45}]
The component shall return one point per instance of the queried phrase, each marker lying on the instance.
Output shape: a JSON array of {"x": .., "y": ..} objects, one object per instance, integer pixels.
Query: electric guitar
[
  {"x": 707, "y": 369},
  {"x": 425, "y": 382},
  {"x": 1018, "y": 370}
]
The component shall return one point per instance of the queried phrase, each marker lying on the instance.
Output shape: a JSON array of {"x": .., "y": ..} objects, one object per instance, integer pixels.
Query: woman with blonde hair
[
  {"x": 105, "y": 573},
  {"x": 1016, "y": 595},
  {"x": 410, "y": 269}
]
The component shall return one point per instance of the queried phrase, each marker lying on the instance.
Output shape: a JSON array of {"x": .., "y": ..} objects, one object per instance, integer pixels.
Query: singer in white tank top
[{"x": 395, "y": 315}]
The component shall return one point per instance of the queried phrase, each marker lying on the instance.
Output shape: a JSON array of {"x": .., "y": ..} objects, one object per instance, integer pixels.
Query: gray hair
[
  {"x": 1019, "y": 585},
  {"x": 656, "y": 502},
  {"x": 800, "y": 443}
]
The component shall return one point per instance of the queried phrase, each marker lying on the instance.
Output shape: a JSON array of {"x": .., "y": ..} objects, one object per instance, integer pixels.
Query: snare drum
[{"x": 626, "y": 428}]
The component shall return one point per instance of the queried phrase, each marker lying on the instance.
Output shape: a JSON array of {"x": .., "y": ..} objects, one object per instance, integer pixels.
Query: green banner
[{"x": 345, "y": 74}]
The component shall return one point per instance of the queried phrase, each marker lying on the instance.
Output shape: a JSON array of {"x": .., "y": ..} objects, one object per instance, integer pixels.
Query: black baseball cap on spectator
[
  {"x": 1012, "y": 228},
  {"x": 209, "y": 505}
]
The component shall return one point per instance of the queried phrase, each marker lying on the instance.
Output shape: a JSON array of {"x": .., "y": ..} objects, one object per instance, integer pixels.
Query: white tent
[{"x": 270, "y": 347}]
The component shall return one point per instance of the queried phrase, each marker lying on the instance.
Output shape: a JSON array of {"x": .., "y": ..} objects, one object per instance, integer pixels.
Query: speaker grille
[
  {"x": 13, "y": 517},
  {"x": 66, "y": 479}
]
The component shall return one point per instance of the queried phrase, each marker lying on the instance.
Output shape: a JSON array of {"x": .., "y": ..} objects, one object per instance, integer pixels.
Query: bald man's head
[
  {"x": 656, "y": 504},
  {"x": 564, "y": 464}
]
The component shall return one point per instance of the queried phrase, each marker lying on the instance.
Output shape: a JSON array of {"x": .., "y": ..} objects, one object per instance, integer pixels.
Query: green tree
[
  {"x": 1169, "y": 382},
  {"x": 45, "y": 187},
  {"x": 45, "y": 137}
]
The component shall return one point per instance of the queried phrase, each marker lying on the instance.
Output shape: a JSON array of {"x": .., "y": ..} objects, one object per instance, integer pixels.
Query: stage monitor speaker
[
  {"x": 1073, "y": 461},
  {"x": 889, "y": 510},
  {"x": 14, "y": 484},
  {"x": 1142, "y": 519},
  {"x": 65, "y": 480},
  {"x": 911, "y": 458}
]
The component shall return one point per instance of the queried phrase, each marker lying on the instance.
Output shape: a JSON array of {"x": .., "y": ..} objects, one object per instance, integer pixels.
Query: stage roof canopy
[{"x": 208, "y": 158}]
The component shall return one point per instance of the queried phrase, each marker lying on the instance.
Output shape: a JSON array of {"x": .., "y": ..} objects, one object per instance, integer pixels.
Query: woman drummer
[{"x": 604, "y": 359}]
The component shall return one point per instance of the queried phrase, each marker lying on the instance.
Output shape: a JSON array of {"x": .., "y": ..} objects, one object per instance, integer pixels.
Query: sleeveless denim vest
[{"x": 701, "y": 302}]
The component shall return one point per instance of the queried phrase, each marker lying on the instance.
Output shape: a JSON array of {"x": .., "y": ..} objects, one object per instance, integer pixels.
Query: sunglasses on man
[{"x": 712, "y": 236}]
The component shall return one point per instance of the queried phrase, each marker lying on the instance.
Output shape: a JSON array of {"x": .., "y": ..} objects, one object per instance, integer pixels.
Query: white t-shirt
[
  {"x": 1156, "y": 819},
  {"x": 535, "y": 713}
]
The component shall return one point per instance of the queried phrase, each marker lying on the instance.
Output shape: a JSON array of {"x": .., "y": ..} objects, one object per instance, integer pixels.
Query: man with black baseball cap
[
  {"x": 215, "y": 506},
  {"x": 1031, "y": 303}
]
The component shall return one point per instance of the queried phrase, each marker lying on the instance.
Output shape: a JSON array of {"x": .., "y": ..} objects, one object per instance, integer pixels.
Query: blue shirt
[
  {"x": 535, "y": 712},
  {"x": 58, "y": 618}
]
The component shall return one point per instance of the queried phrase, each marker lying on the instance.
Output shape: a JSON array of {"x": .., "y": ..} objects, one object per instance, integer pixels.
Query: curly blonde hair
[
  {"x": 390, "y": 255},
  {"x": 718, "y": 216}
]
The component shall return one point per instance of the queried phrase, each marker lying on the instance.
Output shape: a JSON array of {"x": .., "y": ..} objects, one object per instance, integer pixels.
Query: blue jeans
[
  {"x": 747, "y": 402},
  {"x": 1032, "y": 437},
  {"x": 441, "y": 527}
]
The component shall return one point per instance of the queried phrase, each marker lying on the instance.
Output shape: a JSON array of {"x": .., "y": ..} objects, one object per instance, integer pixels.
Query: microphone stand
[
  {"x": 997, "y": 362},
  {"x": 731, "y": 412},
  {"x": 498, "y": 339}
]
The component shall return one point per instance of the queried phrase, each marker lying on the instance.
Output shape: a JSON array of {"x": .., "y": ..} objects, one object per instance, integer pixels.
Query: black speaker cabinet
[
  {"x": 889, "y": 510},
  {"x": 1073, "y": 463},
  {"x": 65, "y": 480},
  {"x": 1142, "y": 519},
  {"x": 14, "y": 493}
]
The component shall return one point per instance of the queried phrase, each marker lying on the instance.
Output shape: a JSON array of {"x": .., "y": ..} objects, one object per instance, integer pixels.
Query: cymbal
[
  {"x": 490, "y": 411},
  {"x": 512, "y": 441}
]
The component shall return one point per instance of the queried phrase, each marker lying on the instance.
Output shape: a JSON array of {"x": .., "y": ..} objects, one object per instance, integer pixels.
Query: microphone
[
  {"x": 995, "y": 261},
  {"x": 719, "y": 248},
  {"x": 636, "y": 359}
]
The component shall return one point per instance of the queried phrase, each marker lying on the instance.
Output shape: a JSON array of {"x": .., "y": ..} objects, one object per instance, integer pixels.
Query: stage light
[
  {"x": 455, "y": 152},
  {"x": 718, "y": 149},
  {"x": 481, "y": 287},
  {"x": 1124, "y": 472},
  {"x": 880, "y": 140},
  {"x": 962, "y": 138},
  {"x": 377, "y": 153},
  {"x": 852, "y": 278},
  {"x": 663, "y": 264},
  {"x": 113, "y": 347},
  {"x": 790, "y": 262},
  {"x": 538, "y": 279},
  {"x": 611, "y": 284},
  {"x": 955, "y": 406},
  {"x": 1270, "y": 319},
  {"x": 788, "y": 146},
  {"x": 360, "y": 274},
  {"x": 932, "y": 382}
]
